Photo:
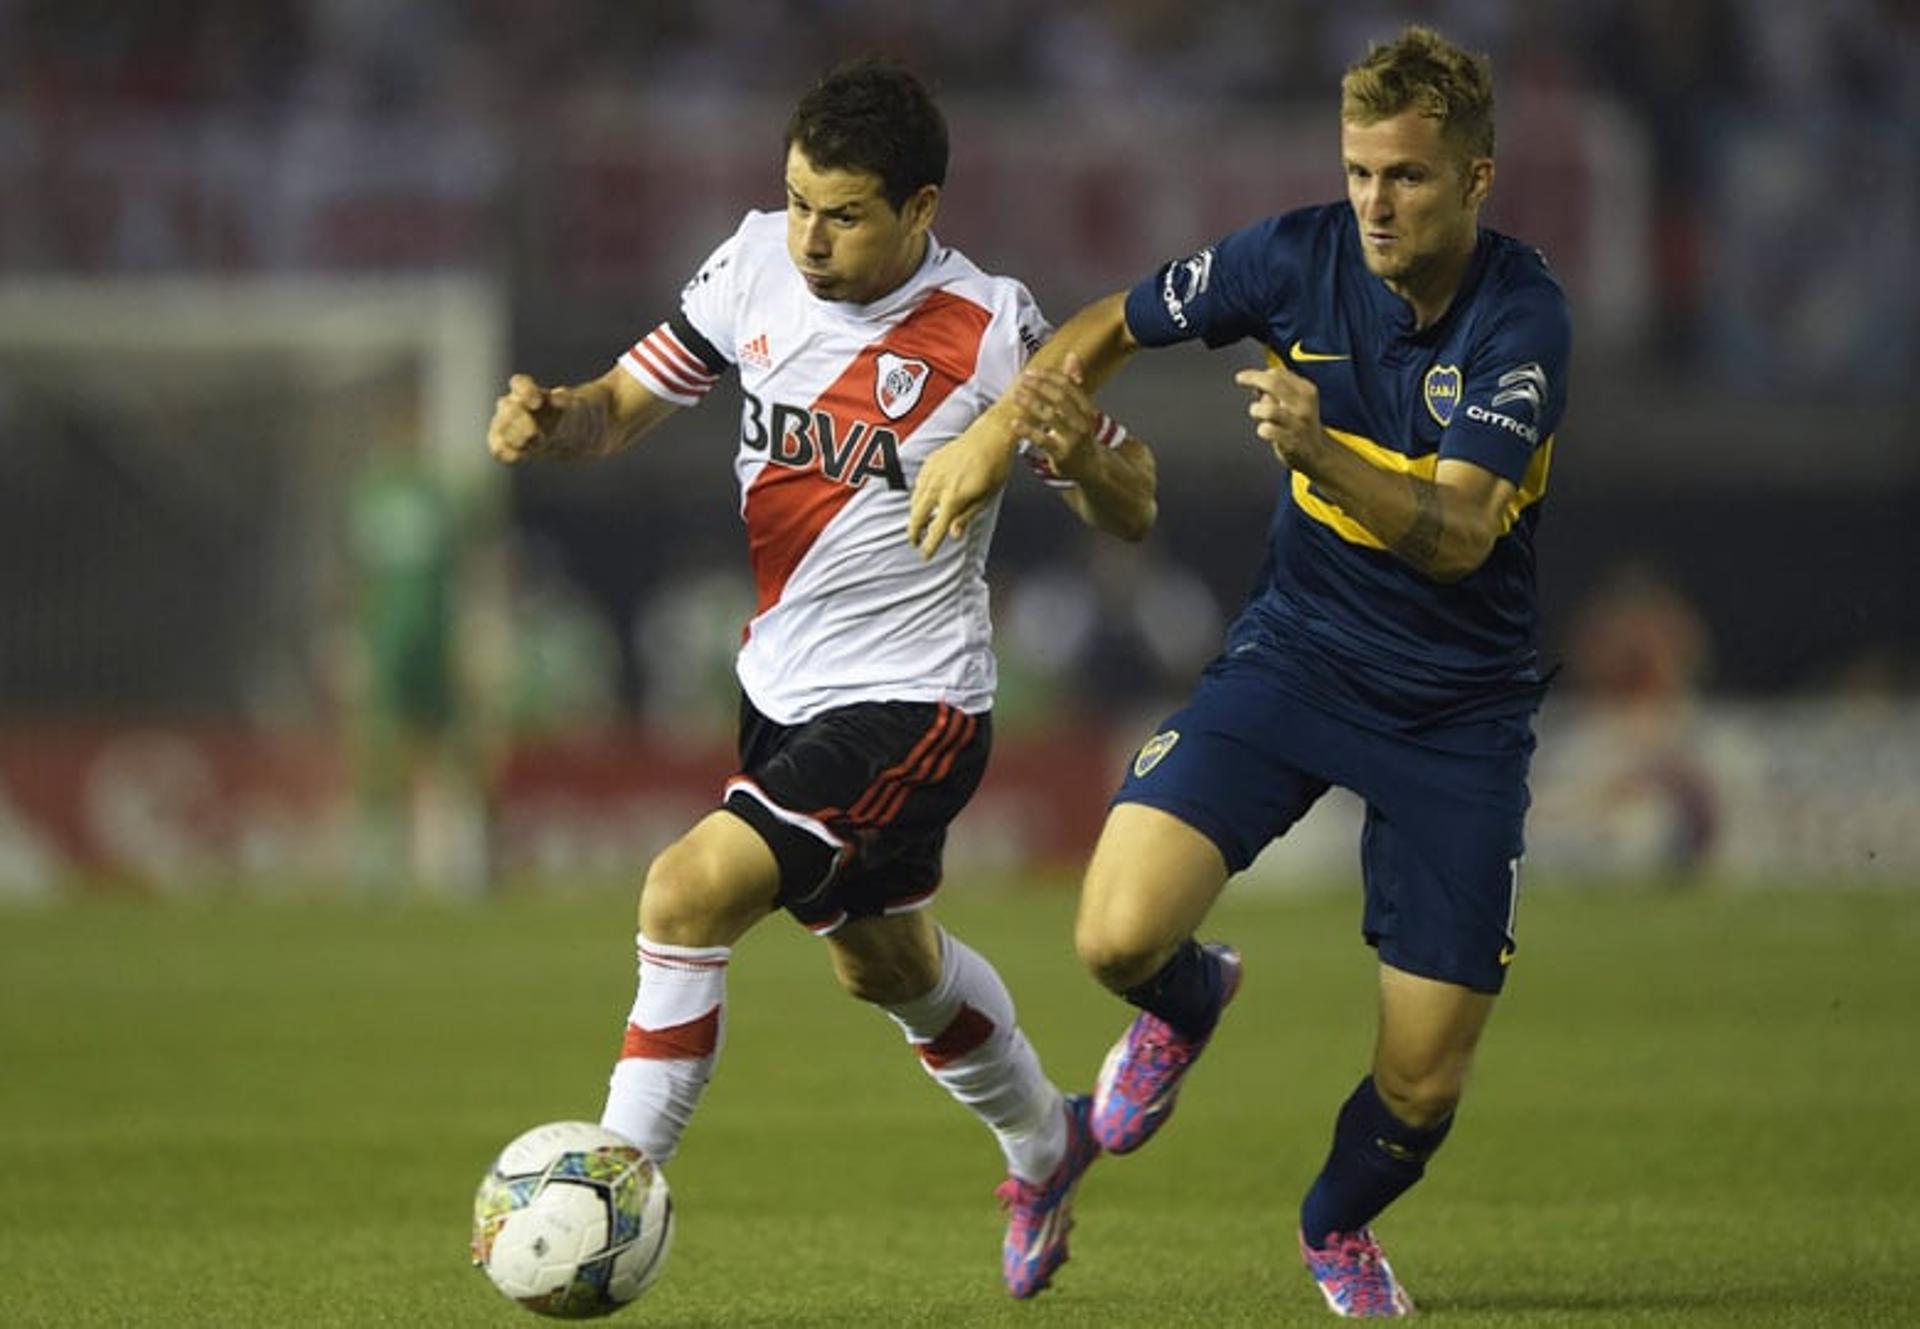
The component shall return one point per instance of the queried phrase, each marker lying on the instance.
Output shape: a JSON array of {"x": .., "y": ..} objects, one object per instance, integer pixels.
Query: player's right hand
[
  {"x": 1057, "y": 417},
  {"x": 525, "y": 419}
]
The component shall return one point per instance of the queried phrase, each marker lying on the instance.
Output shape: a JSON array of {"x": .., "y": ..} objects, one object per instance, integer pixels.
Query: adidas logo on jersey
[{"x": 754, "y": 352}]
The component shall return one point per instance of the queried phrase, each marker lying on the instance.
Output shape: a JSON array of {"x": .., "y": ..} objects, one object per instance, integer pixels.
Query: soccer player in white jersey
[{"x": 863, "y": 344}]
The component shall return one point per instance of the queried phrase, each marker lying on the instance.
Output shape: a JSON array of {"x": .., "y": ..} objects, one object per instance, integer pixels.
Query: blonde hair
[{"x": 1422, "y": 71}]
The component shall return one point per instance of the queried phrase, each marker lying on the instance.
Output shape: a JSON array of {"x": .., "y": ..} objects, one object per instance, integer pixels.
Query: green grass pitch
[{"x": 1690, "y": 1110}]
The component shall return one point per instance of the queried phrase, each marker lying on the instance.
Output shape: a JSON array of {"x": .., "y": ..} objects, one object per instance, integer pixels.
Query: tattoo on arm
[{"x": 1419, "y": 544}]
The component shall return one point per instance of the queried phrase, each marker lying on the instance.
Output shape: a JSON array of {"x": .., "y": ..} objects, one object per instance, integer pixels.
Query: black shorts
[{"x": 855, "y": 802}]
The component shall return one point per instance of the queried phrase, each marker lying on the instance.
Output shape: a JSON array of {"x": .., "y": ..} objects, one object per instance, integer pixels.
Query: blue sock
[
  {"x": 1375, "y": 1157},
  {"x": 1185, "y": 993}
]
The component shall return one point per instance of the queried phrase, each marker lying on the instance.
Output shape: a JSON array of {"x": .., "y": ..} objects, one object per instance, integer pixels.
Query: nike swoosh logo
[
  {"x": 1506, "y": 956},
  {"x": 1306, "y": 357}
]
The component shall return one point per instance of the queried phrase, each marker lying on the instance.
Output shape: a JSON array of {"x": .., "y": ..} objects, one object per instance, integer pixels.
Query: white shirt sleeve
[{"x": 1017, "y": 331}]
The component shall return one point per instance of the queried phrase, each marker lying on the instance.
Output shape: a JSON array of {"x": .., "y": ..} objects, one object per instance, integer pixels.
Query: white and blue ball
[{"x": 572, "y": 1221}]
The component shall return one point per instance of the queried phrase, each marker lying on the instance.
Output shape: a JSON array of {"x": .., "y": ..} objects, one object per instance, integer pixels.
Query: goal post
[
  {"x": 187, "y": 542},
  {"x": 456, "y": 326}
]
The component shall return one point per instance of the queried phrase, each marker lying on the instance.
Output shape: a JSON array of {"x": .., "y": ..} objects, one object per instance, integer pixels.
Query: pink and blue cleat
[
  {"x": 1354, "y": 1276},
  {"x": 1039, "y": 1215},
  {"x": 1141, "y": 1077}
]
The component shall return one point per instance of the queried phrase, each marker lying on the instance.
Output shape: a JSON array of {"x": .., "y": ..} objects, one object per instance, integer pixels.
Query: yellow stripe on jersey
[
  {"x": 1532, "y": 487},
  {"x": 1329, "y": 514}
]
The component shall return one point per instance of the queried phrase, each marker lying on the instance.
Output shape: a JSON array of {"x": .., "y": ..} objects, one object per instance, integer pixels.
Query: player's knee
[
  {"x": 1423, "y": 1100},
  {"x": 682, "y": 899},
  {"x": 1118, "y": 958}
]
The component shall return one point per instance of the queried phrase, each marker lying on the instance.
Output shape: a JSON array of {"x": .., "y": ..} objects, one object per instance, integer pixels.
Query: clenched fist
[{"x": 526, "y": 420}]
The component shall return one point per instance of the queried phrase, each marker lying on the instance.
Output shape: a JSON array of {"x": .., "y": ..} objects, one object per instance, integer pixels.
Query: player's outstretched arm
[
  {"x": 1111, "y": 487},
  {"x": 1444, "y": 527},
  {"x": 595, "y": 419},
  {"x": 961, "y": 477}
]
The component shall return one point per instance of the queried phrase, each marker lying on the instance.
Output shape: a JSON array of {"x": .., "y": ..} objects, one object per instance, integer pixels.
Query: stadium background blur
[
  {"x": 280, "y": 647},
  {"x": 272, "y": 618}
]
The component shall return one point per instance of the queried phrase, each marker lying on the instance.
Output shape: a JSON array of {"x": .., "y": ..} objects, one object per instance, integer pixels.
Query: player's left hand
[
  {"x": 1287, "y": 408},
  {"x": 1053, "y": 412},
  {"x": 957, "y": 481}
]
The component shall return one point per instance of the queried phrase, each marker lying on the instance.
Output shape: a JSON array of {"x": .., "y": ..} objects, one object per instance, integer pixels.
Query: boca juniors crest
[
  {"x": 898, "y": 383},
  {"x": 1441, "y": 388},
  {"x": 1153, "y": 750}
]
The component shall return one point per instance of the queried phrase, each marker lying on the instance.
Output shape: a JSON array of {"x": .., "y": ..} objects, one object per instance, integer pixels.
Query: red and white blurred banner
[
  {"x": 180, "y": 810},
  {"x": 1781, "y": 794}
]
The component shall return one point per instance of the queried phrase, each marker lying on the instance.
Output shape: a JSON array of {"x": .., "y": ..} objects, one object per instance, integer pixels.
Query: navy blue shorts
[
  {"x": 855, "y": 802},
  {"x": 1440, "y": 853}
]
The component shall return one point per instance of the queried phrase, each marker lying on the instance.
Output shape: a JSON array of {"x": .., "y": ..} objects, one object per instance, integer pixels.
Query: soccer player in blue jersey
[{"x": 1416, "y": 369}]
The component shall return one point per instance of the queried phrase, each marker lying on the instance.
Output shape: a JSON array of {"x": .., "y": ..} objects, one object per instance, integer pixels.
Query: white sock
[
  {"x": 965, "y": 1034},
  {"x": 674, "y": 1034}
]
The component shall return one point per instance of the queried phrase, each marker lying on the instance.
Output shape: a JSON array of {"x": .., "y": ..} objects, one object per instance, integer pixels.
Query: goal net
[{"x": 179, "y": 464}]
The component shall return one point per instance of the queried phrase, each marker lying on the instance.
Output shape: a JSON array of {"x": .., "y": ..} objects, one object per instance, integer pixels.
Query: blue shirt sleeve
[
  {"x": 1227, "y": 291},
  {"x": 1516, "y": 384}
]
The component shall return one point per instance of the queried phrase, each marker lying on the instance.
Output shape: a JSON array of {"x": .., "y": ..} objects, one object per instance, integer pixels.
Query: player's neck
[
  {"x": 1430, "y": 291},
  {"x": 910, "y": 262}
]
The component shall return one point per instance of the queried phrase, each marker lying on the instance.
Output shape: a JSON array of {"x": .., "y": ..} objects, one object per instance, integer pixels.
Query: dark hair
[{"x": 873, "y": 115}]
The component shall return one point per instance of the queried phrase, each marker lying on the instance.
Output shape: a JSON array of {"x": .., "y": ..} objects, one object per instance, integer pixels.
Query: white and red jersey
[{"x": 842, "y": 404}]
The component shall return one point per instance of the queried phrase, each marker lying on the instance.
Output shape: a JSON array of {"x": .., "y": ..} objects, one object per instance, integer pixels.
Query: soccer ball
[{"x": 572, "y": 1221}]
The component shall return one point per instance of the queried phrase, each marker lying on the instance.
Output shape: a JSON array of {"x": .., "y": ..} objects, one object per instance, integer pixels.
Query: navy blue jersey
[{"x": 1486, "y": 382}]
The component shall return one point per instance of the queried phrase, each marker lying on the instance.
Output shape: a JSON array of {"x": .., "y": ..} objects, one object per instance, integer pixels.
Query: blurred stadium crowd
[
  {"x": 1678, "y": 63},
  {"x": 1727, "y": 187},
  {"x": 1778, "y": 131}
]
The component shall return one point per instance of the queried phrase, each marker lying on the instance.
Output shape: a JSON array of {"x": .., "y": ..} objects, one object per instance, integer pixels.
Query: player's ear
[
  {"x": 920, "y": 207},
  {"x": 1479, "y": 180}
]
